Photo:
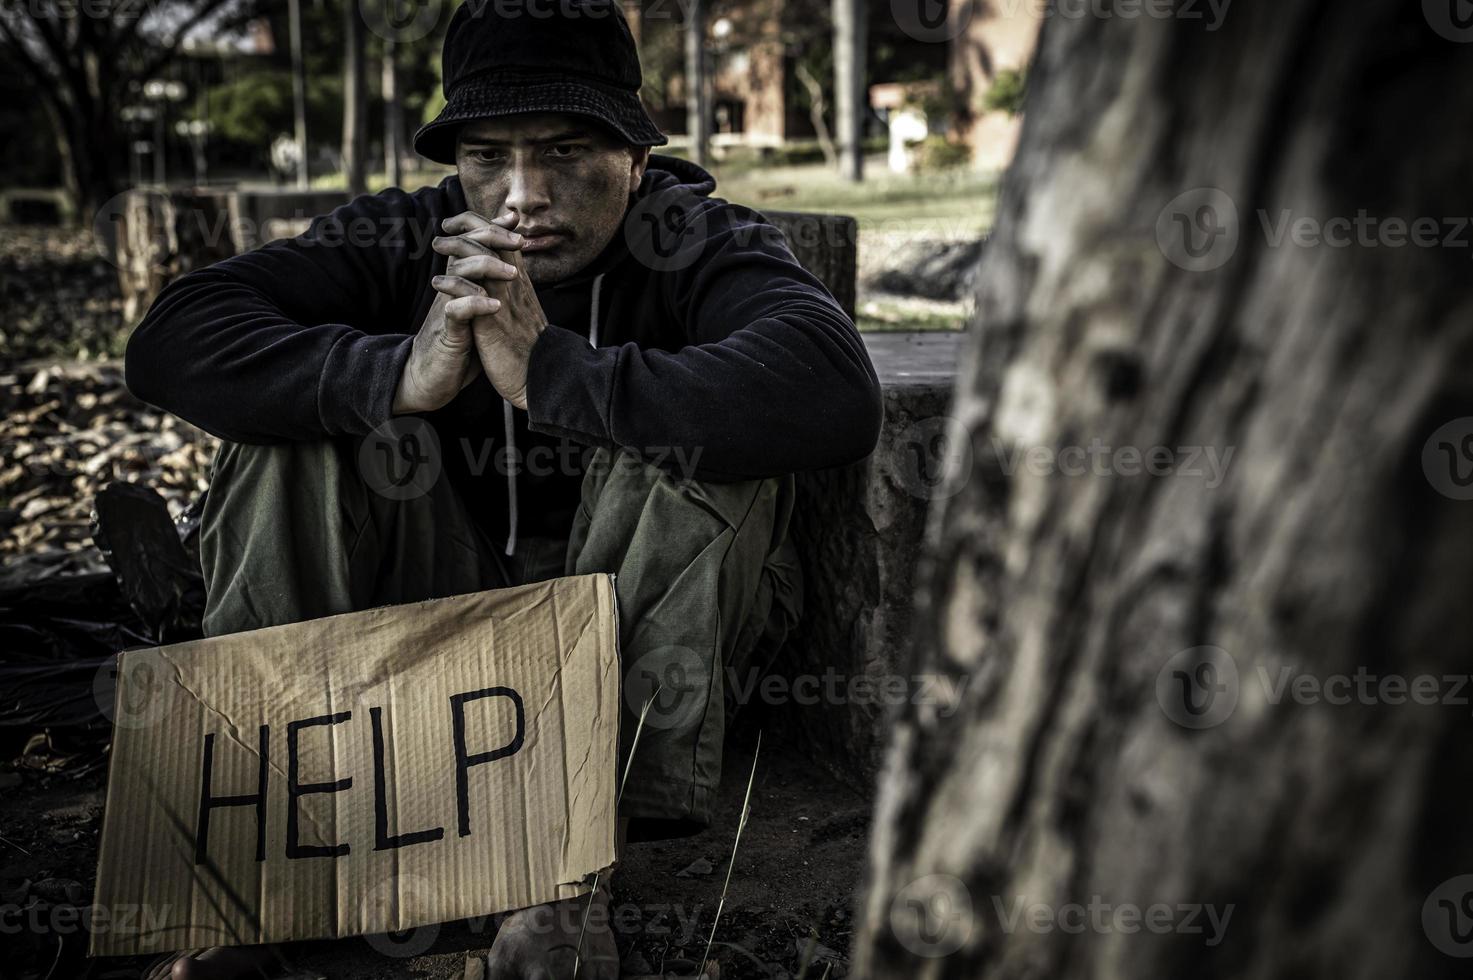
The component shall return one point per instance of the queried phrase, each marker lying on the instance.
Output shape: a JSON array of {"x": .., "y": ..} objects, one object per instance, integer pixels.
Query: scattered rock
[
  {"x": 935, "y": 268},
  {"x": 698, "y": 868}
]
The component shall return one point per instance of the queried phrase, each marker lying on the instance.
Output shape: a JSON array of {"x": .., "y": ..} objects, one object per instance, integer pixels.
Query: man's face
[{"x": 565, "y": 180}]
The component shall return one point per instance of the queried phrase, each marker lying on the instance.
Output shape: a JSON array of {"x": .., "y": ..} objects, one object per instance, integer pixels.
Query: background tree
[
  {"x": 355, "y": 98},
  {"x": 1136, "y": 292},
  {"x": 85, "y": 60}
]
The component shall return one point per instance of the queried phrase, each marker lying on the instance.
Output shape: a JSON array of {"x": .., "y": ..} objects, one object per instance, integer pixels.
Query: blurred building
[
  {"x": 767, "y": 58},
  {"x": 994, "y": 40}
]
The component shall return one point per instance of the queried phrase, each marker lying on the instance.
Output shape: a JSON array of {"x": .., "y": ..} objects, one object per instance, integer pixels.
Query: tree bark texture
[{"x": 1197, "y": 249}]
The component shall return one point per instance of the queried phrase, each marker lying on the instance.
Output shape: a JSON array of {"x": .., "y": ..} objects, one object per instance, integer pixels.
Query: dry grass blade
[{"x": 741, "y": 826}]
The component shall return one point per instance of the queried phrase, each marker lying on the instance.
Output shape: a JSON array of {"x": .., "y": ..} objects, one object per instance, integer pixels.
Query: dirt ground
[{"x": 790, "y": 902}]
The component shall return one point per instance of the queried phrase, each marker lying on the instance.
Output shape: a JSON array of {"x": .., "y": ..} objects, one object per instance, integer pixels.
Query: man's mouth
[{"x": 540, "y": 240}]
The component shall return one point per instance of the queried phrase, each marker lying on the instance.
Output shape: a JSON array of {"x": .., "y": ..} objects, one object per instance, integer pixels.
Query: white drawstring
[
  {"x": 598, "y": 282},
  {"x": 511, "y": 477}
]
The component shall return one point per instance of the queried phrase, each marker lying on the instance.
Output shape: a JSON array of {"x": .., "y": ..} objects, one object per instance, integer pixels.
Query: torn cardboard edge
[{"x": 363, "y": 773}]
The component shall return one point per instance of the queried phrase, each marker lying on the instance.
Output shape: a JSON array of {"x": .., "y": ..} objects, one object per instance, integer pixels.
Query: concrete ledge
[{"x": 859, "y": 532}]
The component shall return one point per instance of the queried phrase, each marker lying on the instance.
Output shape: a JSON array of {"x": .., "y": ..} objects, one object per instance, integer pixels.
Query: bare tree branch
[
  {"x": 43, "y": 77},
  {"x": 171, "y": 50}
]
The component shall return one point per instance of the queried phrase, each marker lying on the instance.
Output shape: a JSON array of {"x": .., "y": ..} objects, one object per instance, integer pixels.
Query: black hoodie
[{"x": 713, "y": 351}]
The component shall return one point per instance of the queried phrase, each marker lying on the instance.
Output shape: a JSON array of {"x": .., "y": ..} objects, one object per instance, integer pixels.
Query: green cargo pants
[{"x": 705, "y": 577}]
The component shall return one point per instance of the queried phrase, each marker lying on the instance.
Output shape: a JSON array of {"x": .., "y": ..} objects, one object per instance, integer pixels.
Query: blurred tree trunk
[
  {"x": 393, "y": 117},
  {"x": 355, "y": 100},
  {"x": 1135, "y": 293},
  {"x": 816, "y": 108},
  {"x": 299, "y": 94},
  {"x": 697, "y": 106},
  {"x": 851, "y": 93}
]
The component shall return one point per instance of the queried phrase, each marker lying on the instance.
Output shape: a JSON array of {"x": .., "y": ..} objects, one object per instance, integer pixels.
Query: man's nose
[{"x": 526, "y": 192}]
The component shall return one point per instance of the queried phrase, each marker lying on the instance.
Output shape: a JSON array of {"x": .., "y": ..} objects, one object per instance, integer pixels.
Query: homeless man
[{"x": 566, "y": 358}]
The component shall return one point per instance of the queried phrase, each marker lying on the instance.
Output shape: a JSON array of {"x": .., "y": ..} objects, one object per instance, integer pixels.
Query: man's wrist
[{"x": 404, "y": 401}]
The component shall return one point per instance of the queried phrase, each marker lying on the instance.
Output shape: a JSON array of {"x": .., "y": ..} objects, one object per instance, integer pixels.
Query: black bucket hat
[{"x": 504, "y": 57}]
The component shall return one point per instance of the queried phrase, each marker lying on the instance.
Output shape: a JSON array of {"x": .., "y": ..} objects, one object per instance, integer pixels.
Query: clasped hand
[{"x": 485, "y": 318}]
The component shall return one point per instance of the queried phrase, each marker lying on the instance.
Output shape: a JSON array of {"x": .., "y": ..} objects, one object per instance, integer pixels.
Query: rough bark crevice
[{"x": 1321, "y": 547}]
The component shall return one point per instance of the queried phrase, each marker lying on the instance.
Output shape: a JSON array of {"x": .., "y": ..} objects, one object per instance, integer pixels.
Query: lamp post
[
  {"x": 196, "y": 131},
  {"x": 161, "y": 92},
  {"x": 137, "y": 116}
]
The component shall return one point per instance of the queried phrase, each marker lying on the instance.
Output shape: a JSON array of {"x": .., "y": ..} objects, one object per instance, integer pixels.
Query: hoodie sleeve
[
  {"x": 299, "y": 339},
  {"x": 775, "y": 380}
]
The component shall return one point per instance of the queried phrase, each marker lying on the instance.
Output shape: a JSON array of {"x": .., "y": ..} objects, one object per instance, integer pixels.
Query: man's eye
[
  {"x": 563, "y": 151},
  {"x": 486, "y": 156}
]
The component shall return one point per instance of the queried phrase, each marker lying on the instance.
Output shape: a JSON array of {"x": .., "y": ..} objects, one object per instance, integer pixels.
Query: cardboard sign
[{"x": 363, "y": 773}]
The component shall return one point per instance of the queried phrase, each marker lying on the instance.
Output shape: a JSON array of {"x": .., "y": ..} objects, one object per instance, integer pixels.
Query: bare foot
[
  {"x": 540, "y": 943},
  {"x": 219, "y": 963}
]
